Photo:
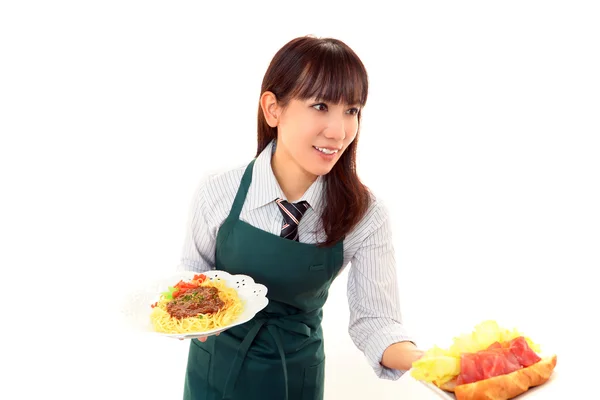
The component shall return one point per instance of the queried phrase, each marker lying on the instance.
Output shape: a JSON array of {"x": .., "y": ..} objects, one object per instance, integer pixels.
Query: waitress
[{"x": 292, "y": 219}]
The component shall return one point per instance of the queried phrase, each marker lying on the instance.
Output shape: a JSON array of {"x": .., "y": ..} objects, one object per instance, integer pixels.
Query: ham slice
[{"x": 497, "y": 359}]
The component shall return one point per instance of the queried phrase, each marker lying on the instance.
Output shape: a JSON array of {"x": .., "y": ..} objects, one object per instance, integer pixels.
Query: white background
[{"x": 480, "y": 134}]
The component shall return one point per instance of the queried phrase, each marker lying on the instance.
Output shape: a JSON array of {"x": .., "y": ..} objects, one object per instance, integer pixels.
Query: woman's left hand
[{"x": 401, "y": 355}]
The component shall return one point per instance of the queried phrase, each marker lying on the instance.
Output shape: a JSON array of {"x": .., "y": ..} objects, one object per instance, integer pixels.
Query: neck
[{"x": 293, "y": 179}]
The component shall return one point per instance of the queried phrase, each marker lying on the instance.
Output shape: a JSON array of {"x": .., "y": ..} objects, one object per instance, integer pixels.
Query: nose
[{"x": 335, "y": 129}]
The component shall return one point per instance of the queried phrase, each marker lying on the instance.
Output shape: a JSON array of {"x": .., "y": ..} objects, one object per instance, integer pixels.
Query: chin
[{"x": 320, "y": 170}]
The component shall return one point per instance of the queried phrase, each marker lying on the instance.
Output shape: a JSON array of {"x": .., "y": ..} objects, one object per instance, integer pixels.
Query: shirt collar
[{"x": 265, "y": 188}]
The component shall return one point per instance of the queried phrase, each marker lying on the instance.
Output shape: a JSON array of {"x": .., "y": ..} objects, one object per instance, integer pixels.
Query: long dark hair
[{"x": 329, "y": 70}]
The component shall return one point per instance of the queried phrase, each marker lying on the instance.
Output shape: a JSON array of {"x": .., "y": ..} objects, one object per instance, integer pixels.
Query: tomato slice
[{"x": 182, "y": 286}]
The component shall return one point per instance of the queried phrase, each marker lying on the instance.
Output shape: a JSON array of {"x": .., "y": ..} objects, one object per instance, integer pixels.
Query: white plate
[{"x": 137, "y": 306}]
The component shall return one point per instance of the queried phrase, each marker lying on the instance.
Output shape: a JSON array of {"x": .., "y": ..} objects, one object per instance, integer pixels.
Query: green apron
[{"x": 279, "y": 354}]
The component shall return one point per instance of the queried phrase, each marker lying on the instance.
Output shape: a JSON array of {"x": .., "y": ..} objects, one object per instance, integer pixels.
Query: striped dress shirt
[{"x": 375, "y": 319}]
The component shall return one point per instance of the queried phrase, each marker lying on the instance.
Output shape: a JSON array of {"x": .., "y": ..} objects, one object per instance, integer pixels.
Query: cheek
[
  {"x": 298, "y": 130},
  {"x": 351, "y": 132}
]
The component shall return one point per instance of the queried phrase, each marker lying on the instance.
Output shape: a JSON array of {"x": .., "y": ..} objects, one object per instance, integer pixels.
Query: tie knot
[{"x": 292, "y": 213}]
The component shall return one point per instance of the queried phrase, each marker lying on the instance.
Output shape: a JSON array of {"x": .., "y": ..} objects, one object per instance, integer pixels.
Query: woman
[{"x": 293, "y": 218}]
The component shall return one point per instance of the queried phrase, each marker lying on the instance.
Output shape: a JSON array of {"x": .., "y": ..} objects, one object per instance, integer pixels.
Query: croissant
[{"x": 504, "y": 387}]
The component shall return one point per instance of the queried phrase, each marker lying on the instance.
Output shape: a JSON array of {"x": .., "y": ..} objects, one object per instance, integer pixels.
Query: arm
[
  {"x": 375, "y": 319},
  {"x": 198, "y": 253}
]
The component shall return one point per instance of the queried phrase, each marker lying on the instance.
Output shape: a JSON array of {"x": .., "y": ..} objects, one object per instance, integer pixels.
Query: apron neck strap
[{"x": 240, "y": 197}]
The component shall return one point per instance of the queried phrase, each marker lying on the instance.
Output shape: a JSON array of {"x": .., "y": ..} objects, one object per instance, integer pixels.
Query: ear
[{"x": 270, "y": 108}]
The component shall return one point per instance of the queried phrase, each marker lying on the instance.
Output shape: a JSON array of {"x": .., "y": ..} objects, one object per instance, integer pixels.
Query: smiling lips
[{"x": 326, "y": 150}]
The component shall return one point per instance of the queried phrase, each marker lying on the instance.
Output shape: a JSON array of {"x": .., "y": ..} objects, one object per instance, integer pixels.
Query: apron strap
[
  {"x": 275, "y": 333},
  {"x": 273, "y": 325},
  {"x": 239, "y": 360},
  {"x": 240, "y": 197}
]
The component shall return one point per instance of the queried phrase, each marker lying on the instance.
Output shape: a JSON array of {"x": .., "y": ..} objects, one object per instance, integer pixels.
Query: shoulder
[
  {"x": 376, "y": 217},
  {"x": 217, "y": 186},
  {"x": 378, "y": 210}
]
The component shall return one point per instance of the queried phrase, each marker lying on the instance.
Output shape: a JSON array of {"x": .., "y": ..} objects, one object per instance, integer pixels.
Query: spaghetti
[{"x": 198, "y": 305}]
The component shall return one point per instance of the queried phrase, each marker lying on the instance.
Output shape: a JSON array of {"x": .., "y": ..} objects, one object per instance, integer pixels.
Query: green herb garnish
[{"x": 169, "y": 294}]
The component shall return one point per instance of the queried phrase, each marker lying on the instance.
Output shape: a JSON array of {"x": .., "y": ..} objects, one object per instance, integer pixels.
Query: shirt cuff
[{"x": 378, "y": 343}]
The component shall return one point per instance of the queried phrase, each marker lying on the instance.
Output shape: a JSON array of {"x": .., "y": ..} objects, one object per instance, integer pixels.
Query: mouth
[{"x": 326, "y": 150}]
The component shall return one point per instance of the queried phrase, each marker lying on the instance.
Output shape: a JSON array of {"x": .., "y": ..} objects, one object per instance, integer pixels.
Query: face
[{"x": 314, "y": 134}]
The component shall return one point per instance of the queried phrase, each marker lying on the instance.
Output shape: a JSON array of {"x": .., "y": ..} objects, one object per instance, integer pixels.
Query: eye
[
  {"x": 353, "y": 111},
  {"x": 320, "y": 107}
]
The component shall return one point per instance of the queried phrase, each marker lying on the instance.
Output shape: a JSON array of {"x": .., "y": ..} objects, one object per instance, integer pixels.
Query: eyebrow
[{"x": 354, "y": 105}]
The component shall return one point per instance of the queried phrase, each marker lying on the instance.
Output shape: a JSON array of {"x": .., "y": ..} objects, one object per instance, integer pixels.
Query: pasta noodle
[{"x": 232, "y": 308}]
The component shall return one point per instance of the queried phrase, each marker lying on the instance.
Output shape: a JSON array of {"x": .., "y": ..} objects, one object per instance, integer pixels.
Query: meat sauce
[{"x": 201, "y": 300}]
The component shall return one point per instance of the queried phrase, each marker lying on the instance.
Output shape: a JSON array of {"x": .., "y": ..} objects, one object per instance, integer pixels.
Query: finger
[{"x": 202, "y": 339}]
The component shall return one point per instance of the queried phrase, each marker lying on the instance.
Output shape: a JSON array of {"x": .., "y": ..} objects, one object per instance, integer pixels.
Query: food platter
[
  {"x": 489, "y": 362},
  {"x": 138, "y": 306},
  {"x": 533, "y": 392},
  {"x": 544, "y": 391}
]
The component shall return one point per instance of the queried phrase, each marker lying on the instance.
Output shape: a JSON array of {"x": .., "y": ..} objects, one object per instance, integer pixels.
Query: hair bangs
[{"x": 333, "y": 75}]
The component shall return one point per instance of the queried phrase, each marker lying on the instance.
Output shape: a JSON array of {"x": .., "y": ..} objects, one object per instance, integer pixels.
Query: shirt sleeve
[
  {"x": 375, "y": 318},
  {"x": 198, "y": 253}
]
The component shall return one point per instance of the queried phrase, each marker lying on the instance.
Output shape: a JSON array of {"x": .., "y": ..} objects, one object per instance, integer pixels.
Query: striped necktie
[{"x": 292, "y": 213}]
